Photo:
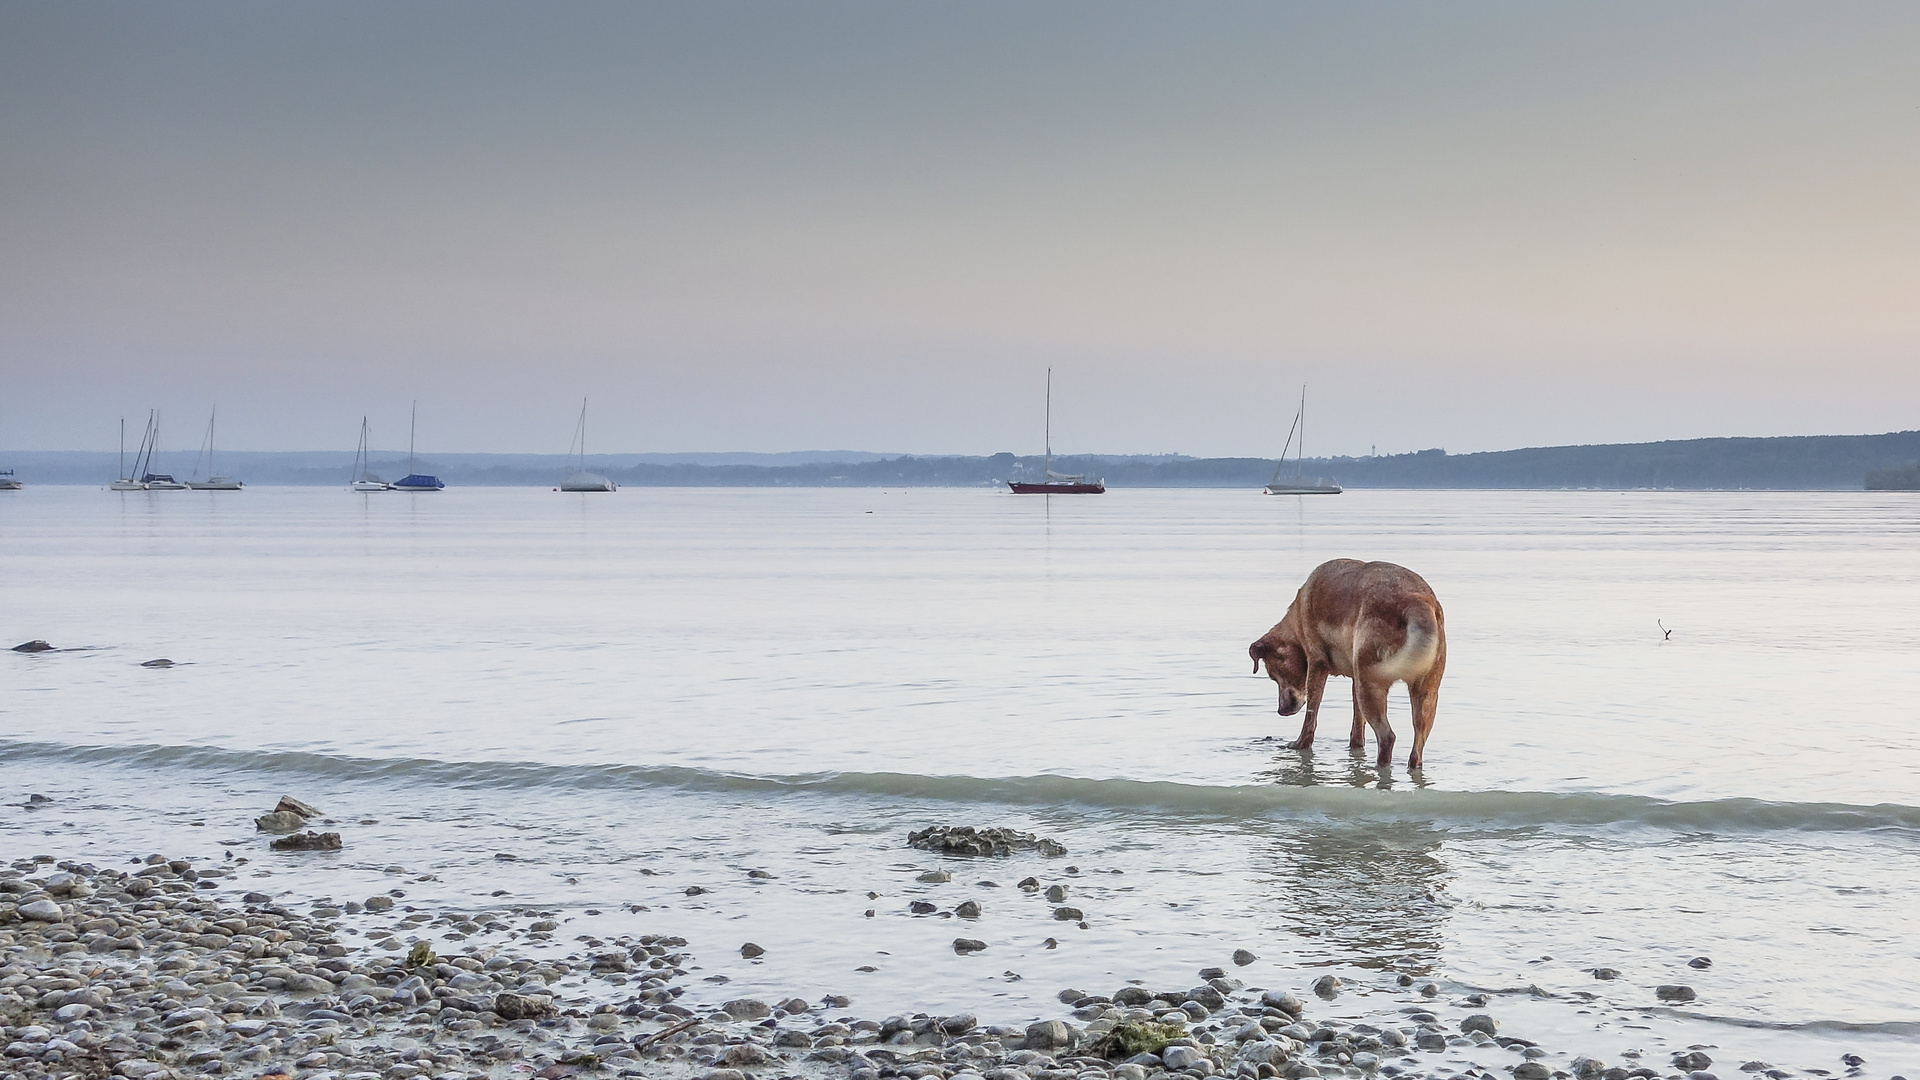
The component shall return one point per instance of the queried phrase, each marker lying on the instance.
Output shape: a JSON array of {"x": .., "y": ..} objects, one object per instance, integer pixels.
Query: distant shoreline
[{"x": 1782, "y": 463}]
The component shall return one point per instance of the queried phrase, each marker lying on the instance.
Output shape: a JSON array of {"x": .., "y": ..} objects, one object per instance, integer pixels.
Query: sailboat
[
  {"x": 214, "y": 481},
  {"x": 414, "y": 481},
  {"x": 149, "y": 479},
  {"x": 126, "y": 482},
  {"x": 1055, "y": 483},
  {"x": 1299, "y": 484},
  {"x": 8, "y": 482},
  {"x": 363, "y": 479},
  {"x": 580, "y": 479}
]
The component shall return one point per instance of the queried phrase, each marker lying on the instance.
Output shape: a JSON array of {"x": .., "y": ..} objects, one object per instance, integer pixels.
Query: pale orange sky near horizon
[{"x": 872, "y": 226}]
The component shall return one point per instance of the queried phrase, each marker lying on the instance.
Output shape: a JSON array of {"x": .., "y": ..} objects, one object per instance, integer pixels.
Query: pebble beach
[{"x": 156, "y": 970}]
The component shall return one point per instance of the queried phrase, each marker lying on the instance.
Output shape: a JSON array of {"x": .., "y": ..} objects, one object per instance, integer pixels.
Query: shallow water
[{"x": 638, "y": 692}]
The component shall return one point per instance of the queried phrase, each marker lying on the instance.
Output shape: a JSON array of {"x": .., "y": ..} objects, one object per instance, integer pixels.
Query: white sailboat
[
  {"x": 126, "y": 482},
  {"x": 214, "y": 481},
  {"x": 580, "y": 479},
  {"x": 363, "y": 479},
  {"x": 1299, "y": 484}
]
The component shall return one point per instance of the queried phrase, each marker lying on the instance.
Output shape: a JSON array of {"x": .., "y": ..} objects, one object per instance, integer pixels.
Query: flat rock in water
[
  {"x": 162, "y": 662},
  {"x": 968, "y": 945},
  {"x": 967, "y": 840},
  {"x": 289, "y": 804},
  {"x": 1674, "y": 992},
  {"x": 308, "y": 841},
  {"x": 36, "y": 645},
  {"x": 750, "y": 950},
  {"x": 1480, "y": 1022},
  {"x": 280, "y": 821},
  {"x": 1241, "y": 957},
  {"x": 1327, "y": 986}
]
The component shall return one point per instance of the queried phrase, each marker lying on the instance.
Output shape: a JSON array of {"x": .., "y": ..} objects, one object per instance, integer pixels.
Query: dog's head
[{"x": 1286, "y": 665}]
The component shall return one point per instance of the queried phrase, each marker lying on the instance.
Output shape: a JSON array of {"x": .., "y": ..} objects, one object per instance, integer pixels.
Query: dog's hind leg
[
  {"x": 1425, "y": 696},
  {"x": 1316, "y": 686},
  {"x": 1358, "y": 740},
  {"x": 1372, "y": 699}
]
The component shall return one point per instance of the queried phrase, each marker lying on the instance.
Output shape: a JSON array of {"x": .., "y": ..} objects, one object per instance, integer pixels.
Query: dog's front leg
[{"x": 1316, "y": 685}]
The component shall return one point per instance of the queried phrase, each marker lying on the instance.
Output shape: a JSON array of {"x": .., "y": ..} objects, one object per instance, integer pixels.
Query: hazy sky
[{"x": 807, "y": 225}]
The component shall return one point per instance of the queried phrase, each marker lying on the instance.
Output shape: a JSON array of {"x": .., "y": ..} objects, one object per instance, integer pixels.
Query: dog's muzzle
[{"x": 1290, "y": 702}]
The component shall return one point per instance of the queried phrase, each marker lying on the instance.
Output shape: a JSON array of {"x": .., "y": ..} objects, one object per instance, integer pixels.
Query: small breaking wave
[{"x": 1165, "y": 798}]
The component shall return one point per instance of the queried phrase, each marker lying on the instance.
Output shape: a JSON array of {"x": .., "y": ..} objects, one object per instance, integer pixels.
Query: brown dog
[{"x": 1375, "y": 623}]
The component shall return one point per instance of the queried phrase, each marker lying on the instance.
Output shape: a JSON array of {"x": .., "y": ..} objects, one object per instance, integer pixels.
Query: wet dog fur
[{"x": 1373, "y": 622}]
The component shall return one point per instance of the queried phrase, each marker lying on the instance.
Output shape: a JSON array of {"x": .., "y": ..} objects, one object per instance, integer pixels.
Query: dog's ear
[{"x": 1259, "y": 651}]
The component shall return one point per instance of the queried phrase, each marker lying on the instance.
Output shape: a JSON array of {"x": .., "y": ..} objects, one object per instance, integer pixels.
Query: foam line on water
[{"x": 1165, "y": 798}]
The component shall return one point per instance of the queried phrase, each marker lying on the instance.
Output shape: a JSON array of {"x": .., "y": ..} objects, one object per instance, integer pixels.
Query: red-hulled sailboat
[{"x": 1055, "y": 483}]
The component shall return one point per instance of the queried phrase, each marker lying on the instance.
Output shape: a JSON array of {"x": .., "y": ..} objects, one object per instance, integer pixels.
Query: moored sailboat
[
  {"x": 363, "y": 478},
  {"x": 1055, "y": 483},
  {"x": 126, "y": 481},
  {"x": 1299, "y": 484},
  {"x": 580, "y": 479},
  {"x": 214, "y": 481},
  {"x": 414, "y": 481}
]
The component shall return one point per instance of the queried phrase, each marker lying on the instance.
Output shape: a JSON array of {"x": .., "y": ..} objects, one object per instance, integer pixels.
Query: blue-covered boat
[{"x": 414, "y": 481}]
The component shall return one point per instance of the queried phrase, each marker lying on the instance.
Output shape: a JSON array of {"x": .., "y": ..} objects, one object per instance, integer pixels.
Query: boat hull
[
  {"x": 586, "y": 481},
  {"x": 369, "y": 485},
  {"x": 1304, "y": 489},
  {"x": 419, "y": 482},
  {"x": 1060, "y": 487},
  {"x": 126, "y": 485},
  {"x": 218, "y": 483}
]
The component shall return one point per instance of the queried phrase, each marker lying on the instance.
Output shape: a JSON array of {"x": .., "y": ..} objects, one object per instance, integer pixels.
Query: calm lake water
[{"x": 635, "y": 693}]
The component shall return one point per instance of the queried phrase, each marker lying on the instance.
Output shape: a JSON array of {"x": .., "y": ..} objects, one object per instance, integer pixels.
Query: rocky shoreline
[{"x": 144, "y": 974}]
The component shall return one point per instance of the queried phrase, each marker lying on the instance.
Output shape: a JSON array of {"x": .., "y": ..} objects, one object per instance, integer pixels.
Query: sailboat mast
[
  {"x": 123, "y": 448},
  {"x": 1302, "y": 451},
  {"x": 412, "y": 427},
  {"x": 1049, "y": 443},
  {"x": 210, "y": 418}
]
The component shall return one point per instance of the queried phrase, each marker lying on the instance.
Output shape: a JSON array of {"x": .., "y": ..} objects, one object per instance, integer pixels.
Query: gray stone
[
  {"x": 41, "y": 911},
  {"x": 724, "y": 1074},
  {"x": 1586, "y": 1068},
  {"x": 1048, "y": 1035},
  {"x": 967, "y": 909},
  {"x": 378, "y": 903},
  {"x": 1242, "y": 957},
  {"x": 1068, "y": 914},
  {"x": 750, "y": 950},
  {"x": 1327, "y": 987},
  {"x": 1532, "y": 1070},
  {"x": 308, "y": 841},
  {"x": 521, "y": 1006},
  {"x": 745, "y": 1054},
  {"x": 1479, "y": 1022},
  {"x": 968, "y": 945},
  {"x": 747, "y": 1009},
  {"x": 1674, "y": 992},
  {"x": 290, "y": 805},
  {"x": 1366, "y": 1062},
  {"x": 1284, "y": 1001},
  {"x": 935, "y": 877},
  {"x": 1691, "y": 1061},
  {"x": 1181, "y": 1058},
  {"x": 1056, "y": 894}
]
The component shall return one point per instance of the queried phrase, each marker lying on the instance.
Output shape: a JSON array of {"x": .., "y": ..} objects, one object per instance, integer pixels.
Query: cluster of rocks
[
  {"x": 967, "y": 840},
  {"x": 145, "y": 975}
]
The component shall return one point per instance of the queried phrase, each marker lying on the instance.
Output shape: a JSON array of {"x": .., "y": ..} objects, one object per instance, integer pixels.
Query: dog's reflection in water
[{"x": 1366, "y": 894}]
